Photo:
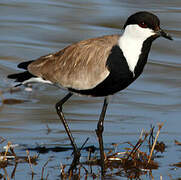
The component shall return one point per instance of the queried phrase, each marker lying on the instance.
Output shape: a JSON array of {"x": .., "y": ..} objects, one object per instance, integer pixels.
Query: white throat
[{"x": 131, "y": 43}]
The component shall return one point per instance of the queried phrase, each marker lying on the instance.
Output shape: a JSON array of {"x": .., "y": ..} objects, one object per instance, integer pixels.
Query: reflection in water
[{"x": 31, "y": 29}]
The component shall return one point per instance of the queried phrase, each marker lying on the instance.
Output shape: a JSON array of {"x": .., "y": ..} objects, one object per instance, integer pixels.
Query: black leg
[
  {"x": 62, "y": 118},
  {"x": 99, "y": 131}
]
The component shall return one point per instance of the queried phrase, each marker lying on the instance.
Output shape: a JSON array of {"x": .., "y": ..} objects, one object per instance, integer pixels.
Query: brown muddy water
[{"x": 29, "y": 29}]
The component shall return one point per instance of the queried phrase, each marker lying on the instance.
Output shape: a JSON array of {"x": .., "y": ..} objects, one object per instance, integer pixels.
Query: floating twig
[
  {"x": 29, "y": 160},
  {"x": 158, "y": 132}
]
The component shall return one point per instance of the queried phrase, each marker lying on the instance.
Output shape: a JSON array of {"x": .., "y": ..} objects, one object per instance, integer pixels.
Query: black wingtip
[{"x": 24, "y": 65}]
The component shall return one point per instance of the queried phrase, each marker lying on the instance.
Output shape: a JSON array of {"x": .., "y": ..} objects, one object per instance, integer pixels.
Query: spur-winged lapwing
[{"x": 96, "y": 67}]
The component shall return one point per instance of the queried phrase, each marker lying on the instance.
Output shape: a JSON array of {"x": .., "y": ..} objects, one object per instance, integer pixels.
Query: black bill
[{"x": 162, "y": 33}]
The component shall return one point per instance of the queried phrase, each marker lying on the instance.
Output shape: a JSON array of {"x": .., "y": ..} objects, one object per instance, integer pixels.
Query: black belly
[{"x": 109, "y": 86}]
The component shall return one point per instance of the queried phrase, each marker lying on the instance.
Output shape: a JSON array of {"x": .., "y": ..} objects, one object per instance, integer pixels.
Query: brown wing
[{"x": 79, "y": 66}]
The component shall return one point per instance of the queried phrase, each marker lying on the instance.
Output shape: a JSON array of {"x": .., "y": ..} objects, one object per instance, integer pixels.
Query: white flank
[
  {"x": 36, "y": 80},
  {"x": 131, "y": 43}
]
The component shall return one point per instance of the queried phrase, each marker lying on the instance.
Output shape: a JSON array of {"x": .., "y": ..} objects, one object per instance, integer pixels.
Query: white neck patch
[{"x": 131, "y": 43}]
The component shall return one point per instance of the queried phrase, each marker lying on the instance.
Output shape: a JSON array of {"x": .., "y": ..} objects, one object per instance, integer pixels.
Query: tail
[{"x": 23, "y": 77}]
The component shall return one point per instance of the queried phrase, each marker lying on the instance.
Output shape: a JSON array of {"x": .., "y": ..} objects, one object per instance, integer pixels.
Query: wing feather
[{"x": 79, "y": 66}]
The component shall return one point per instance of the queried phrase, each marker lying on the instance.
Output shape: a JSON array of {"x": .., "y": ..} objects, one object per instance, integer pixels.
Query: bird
[{"x": 96, "y": 67}]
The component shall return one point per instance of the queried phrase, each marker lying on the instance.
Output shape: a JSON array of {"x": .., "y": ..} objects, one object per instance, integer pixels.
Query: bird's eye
[{"x": 143, "y": 25}]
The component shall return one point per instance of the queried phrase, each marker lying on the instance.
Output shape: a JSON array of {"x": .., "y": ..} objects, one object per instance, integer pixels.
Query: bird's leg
[
  {"x": 99, "y": 131},
  {"x": 62, "y": 118}
]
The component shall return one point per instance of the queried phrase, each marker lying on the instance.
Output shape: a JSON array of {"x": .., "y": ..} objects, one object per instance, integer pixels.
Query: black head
[{"x": 147, "y": 20}]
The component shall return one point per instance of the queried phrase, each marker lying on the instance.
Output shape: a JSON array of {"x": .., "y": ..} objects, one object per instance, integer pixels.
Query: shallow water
[{"x": 37, "y": 27}]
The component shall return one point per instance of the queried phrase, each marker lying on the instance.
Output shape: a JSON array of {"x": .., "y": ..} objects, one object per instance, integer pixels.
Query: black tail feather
[
  {"x": 23, "y": 76},
  {"x": 20, "y": 77},
  {"x": 24, "y": 65}
]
